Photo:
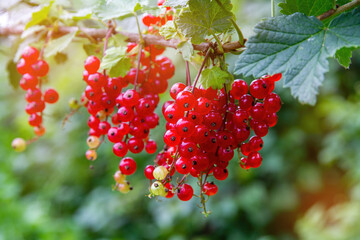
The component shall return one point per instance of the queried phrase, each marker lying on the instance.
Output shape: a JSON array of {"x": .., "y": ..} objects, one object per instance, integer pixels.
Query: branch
[
  {"x": 339, "y": 10},
  {"x": 99, "y": 34}
]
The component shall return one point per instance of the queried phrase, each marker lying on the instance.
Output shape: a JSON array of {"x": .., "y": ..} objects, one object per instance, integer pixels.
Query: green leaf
[
  {"x": 308, "y": 7},
  {"x": 115, "y": 62},
  {"x": 32, "y": 30},
  {"x": 82, "y": 14},
  {"x": 59, "y": 44},
  {"x": 13, "y": 75},
  {"x": 215, "y": 78},
  {"x": 186, "y": 49},
  {"x": 168, "y": 31},
  {"x": 176, "y": 3},
  {"x": 343, "y": 56},
  {"x": 203, "y": 18},
  {"x": 121, "y": 9},
  {"x": 39, "y": 16},
  {"x": 298, "y": 46}
]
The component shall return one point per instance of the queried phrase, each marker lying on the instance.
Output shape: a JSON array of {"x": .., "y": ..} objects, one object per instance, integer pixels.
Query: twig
[
  {"x": 201, "y": 68},
  {"x": 339, "y": 10},
  {"x": 97, "y": 33},
  {"x": 138, "y": 66}
]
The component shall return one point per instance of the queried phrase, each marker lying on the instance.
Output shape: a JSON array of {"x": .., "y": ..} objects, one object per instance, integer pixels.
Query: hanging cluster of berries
[
  {"x": 126, "y": 117},
  {"x": 155, "y": 22},
  {"x": 205, "y": 126},
  {"x": 33, "y": 70}
]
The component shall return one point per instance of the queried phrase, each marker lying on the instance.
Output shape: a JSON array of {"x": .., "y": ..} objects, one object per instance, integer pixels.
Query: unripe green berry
[
  {"x": 160, "y": 173},
  {"x": 93, "y": 142},
  {"x": 18, "y": 144},
  {"x": 119, "y": 177},
  {"x": 157, "y": 189},
  {"x": 74, "y": 104},
  {"x": 124, "y": 187}
]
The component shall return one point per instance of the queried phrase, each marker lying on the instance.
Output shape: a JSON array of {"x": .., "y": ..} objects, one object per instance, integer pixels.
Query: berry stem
[
  {"x": 34, "y": 139},
  {"x": 139, "y": 30},
  {"x": 138, "y": 66},
  {"x": 188, "y": 78},
  {"x": 201, "y": 68},
  {"x": 218, "y": 41},
  {"x": 107, "y": 36},
  {"x": 67, "y": 117}
]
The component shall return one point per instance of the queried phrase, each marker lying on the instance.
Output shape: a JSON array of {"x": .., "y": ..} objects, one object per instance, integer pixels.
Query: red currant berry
[
  {"x": 149, "y": 169},
  {"x": 92, "y": 64},
  {"x": 220, "y": 173},
  {"x": 210, "y": 189},
  {"x": 51, "y": 96},
  {"x": 127, "y": 166},
  {"x": 185, "y": 192}
]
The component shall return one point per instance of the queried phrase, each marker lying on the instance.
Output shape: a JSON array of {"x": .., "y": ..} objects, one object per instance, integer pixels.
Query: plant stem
[
  {"x": 138, "y": 66},
  {"x": 107, "y": 36},
  {"x": 188, "y": 78},
  {"x": 218, "y": 42},
  {"x": 201, "y": 68},
  {"x": 139, "y": 30},
  {"x": 339, "y": 10}
]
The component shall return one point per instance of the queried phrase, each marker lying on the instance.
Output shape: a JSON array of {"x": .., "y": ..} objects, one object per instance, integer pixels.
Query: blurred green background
[{"x": 308, "y": 186}]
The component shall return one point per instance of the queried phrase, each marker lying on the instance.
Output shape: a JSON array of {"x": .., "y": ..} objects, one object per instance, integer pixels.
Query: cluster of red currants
[
  {"x": 155, "y": 22},
  {"x": 205, "y": 126},
  {"x": 32, "y": 70}
]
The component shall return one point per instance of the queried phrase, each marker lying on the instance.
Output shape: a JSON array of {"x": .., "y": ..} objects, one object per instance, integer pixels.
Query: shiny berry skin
[
  {"x": 130, "y": 98},
  {"x": 225, "y": 154},
  {"x": 172, "y": 113},
  {"x": 241, "y": 117},
  {"x": 23, "y": 67},
  {"x": 187, "y": 149},
  {"x": 168, "y": 189},
  {"x": 203, "y": 105},
  {"x": 160, "y": 173},
  {"x": 210, "y": 189},
  {"x": 185, "y": 100},
  {"x": 30, "y": 54},
  {"x": 195, "y": 117},
  {"x": 28, "y": 81},
  {"x": 239, "y": 88},
  {"x": 149, "y": 169},
  {"x": 148, "y": 19},
  {"x": 92, "y": 64},
  {"x": 271, "y": 119},
  {"x": 220, "y": 173},
  {"x": 245, "y": 148},
  {"x": 51, "y": 96},
  {"x": 104, "y": 127},
  {"x": 258, "y": 112},
  {"x": 254, "y": 159},
  {"x": 18, "y": 144},
  {"x": 127, "y": 166},
  {"x": 93, "y": 142},
  {"x": 35, "y": 120},
  {"x": 33, "y": 95},
  {"x": 39, "y": 130},
  {"x": 183, "y": 165},
  {"x": 176, "y": 89},
  {"x": 213, "y": 120},
  {"x": 125, "y": 114},
  {"x": 91, "y": 155},
  {"x": 120, "y": 149},
  {"x": 114, "y": 135},
  {"x": 151, "y": 146},
  {"x": 201, "y": 134},
  {"x": 246, "y": 102},
  {"x": 272, "y": 103},
  {"x": 172, "y": 138},
  {"x": 255, "y": 143},
  {"x": 40, "y": 68},
  {"x": 259, "y": 89},
  {"x": 185, "y": 192},
  {"x": 261, "y": 129},
  {"x": 135, "y": 145},
  {"x": 184, "y": 127}
]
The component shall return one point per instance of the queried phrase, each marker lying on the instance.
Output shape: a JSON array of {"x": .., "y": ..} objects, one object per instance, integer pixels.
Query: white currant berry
[
  {"x": 18, "y": 144},
  {"x": 157, "y": 189},
  {"x": 119, "y": 177},
  {"x": 93, "y": 142},
  {"x": 160, "y": 173},
  {"x": 124, "y": 187},
  {"x": 91, "y": 155}
]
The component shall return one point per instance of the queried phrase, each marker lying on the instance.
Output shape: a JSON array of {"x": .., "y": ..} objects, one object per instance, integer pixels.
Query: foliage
[{"x": 307, "y": 188}]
